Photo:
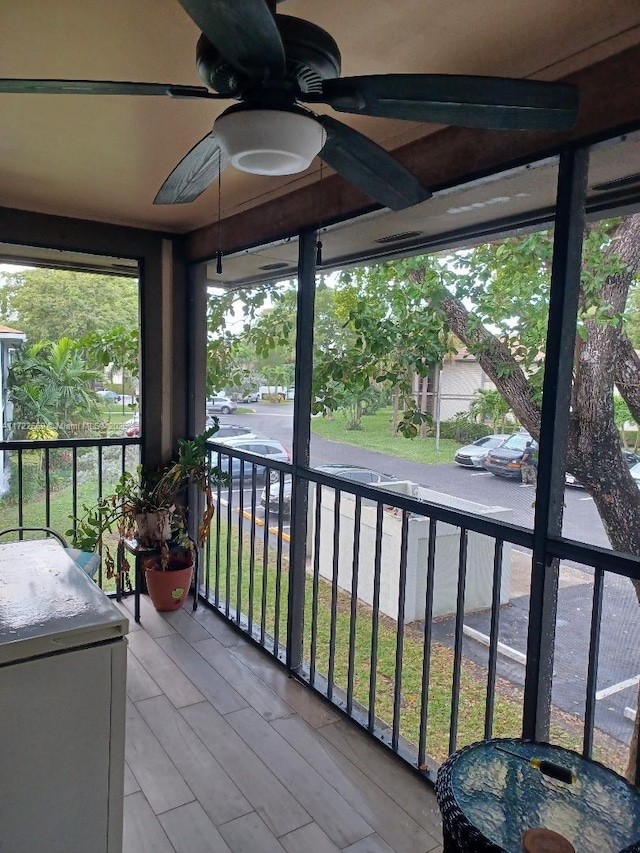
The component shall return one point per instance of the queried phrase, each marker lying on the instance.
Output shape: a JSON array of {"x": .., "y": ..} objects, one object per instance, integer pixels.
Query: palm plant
[{"x": 51, "y": 385}]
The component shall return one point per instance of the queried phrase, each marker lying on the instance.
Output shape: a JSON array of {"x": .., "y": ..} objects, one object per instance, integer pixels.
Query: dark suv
[{"x": 504, "y": 461}]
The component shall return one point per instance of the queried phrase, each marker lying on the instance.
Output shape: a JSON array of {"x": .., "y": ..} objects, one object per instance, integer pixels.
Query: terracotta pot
[
  {"x": 168, "y": 589},
  {"x": 154, "y": 528}
]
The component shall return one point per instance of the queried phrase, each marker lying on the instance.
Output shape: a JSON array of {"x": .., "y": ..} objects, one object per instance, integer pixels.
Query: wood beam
[
  {"x": 609, "y": 102},
  {"x": 163, "y": 311}
]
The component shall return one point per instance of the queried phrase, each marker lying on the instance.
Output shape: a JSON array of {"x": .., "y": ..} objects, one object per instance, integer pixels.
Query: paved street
[{"x": 582, "y": 521}]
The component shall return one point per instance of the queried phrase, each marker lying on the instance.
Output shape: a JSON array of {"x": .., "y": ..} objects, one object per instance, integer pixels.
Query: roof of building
[{"x": 8, "y": 331}]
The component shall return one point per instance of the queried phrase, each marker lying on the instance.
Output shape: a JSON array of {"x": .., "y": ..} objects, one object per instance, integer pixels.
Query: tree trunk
[
  {"x": 604, "y": 357},
  {"x": 627, "y": 371},
  {"x": 423, "y": 405}
]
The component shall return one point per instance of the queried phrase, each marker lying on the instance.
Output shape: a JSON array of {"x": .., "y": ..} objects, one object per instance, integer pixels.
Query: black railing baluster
[
  {"x": 402, "y": 584},
  {"x": 47, "y": 487},
  {"x": 252, "y": 549},
  {"x": 493, "y": 639},
  {"x": 218, "y": 532},
  {"x": 20, "y": 492},
  {"x": 355, "y": 567},
  {"x": 100, "y": 487},
  {"x": 227, "y": 572},
  {"x": 457, "y": 656},
  {"x": 375, "y": 621},
  {"x": 74, "y": 480},
  {"x": 278, "y": 601},
  {"x": 334, "y": 592},
  {"x": 426, "y": 644},
  {"x": 238, "y": 607},
  {"x": 265, "y": 564},
  {"x": 592, "y": 668},
  {"x": 316, "y": 584}
]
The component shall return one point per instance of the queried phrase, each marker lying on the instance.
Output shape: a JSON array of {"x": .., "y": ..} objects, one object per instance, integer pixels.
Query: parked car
[
  {"x": 261, "y": 446},
  {"x": 635, "y": 472},
  {"x": 366, "y": 476},
  {"x": 109, "y": 396},
  {"x": 473, "y": 455},
  {"x": 220, "y": 404},
  {"x": 252, "y": 397},
  {"x": 632, "y": 460},
  {"x": 230, "y": 431},
  {"x": 504, "y": 461}
]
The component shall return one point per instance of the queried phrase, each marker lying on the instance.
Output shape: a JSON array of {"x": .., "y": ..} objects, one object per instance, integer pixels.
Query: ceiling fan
[{"x": 271, "y": 64}]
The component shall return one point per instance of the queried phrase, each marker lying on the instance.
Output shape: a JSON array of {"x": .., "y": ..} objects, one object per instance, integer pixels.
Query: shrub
[
  {"x": 32, "y": 477},
  {"x": 463, "y": 430}
]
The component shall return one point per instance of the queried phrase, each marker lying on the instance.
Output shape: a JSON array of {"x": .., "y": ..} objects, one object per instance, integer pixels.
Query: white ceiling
[{"x": 103, "y": 158}]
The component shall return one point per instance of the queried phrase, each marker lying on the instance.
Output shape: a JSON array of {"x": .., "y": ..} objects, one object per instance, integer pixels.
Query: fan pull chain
[
  {"x": 219, "y": 252},
  {"x": 319, "y": 241}
]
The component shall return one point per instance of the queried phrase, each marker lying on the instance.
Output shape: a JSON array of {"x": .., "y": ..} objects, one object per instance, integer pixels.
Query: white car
[
  {"x": 634, "y": 470},
  {"x": 473, "y": 455},
  {"x": 220, "y": 404}
]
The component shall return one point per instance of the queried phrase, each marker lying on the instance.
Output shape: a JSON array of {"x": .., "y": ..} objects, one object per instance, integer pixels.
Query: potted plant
[{"x": 149, "y": 506}]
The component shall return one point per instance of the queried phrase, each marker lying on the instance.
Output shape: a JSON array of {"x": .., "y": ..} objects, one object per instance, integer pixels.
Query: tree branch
[{"x": 494, "y": 357}]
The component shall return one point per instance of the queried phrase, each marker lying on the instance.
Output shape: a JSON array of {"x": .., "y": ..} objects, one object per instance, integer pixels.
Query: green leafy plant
[{"x": 152, "y": 491}]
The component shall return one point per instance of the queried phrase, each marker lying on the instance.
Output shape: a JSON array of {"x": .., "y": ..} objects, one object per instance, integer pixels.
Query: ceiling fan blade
[
  {"x": 102, "y": 87},
  {"x": 369, "y": 167},
  {"x": 244, "y": 31},
  {"x": 194, "y": 173},
  {"x": 498, "y": 103}
]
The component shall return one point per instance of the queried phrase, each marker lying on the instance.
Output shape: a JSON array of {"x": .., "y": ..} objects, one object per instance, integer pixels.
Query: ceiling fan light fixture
[{"x": 269, "y": 142}]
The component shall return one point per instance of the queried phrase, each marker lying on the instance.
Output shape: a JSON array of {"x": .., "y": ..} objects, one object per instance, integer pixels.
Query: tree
[
  {"x": 514, "y": 272},
  {"x": 399, "y": 318},
  {"x": 49, "y": 304},
  {"x": 50, "y": 386},
  {"x": 489, "y": 403},
  {"x": 238, "y": 334},
  {"x": 117, "y": 348}
]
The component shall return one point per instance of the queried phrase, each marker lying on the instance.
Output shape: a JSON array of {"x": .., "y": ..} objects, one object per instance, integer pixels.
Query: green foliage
[
  {"x": 49, "y": 304},
  {"x": 488, "y": 403},
  {"x": 150, "y": 491},
  {"x": 118, "y": 346},
  {"x": 33, "y": 477},
  {"x": 50, "y": 386},
  {"x": 375, "y": 435},
  {"x": 463, "y": 430}
]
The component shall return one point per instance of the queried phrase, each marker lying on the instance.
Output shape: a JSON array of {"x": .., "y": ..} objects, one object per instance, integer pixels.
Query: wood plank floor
[{"x": 226, "y": 754}]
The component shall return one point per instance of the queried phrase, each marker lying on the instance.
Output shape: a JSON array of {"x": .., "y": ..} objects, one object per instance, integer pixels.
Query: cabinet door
[{"x": 55, "y": 771}]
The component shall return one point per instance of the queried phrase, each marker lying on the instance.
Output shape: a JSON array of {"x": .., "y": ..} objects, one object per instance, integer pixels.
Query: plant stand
[{"x": 140, "y": 553}]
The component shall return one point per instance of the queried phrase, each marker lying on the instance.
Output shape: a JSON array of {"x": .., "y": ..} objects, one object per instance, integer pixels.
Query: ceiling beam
[{"x": 609, "y": 101}]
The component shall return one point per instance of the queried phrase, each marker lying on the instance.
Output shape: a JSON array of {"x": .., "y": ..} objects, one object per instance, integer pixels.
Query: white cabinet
[{"x": 62, "y": 706}]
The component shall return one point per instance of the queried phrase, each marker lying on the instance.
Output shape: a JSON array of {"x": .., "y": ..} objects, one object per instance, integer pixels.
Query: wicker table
[{"x": 490, "y": 793}]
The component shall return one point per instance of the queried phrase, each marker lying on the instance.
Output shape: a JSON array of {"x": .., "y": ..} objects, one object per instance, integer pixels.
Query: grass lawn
[
  {"x": 376, "y": 435},
  {"x": 566, "y": 730}
]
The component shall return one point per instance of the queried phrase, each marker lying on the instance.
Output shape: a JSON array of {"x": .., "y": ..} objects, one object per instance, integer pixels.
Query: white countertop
[{"x": 48, "y": 604}]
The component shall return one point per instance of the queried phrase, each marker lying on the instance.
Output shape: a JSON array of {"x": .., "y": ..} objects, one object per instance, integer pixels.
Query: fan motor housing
[{"x": 311, "y": 54}]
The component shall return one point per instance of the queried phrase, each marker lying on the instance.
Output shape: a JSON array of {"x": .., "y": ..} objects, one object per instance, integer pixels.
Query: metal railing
[
  {"x": 415, "y": 614},
  {"x": 47, "y": 482}
]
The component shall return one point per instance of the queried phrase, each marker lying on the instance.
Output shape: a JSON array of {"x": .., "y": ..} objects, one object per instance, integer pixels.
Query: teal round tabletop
[{"x": 497, "y": 789}]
